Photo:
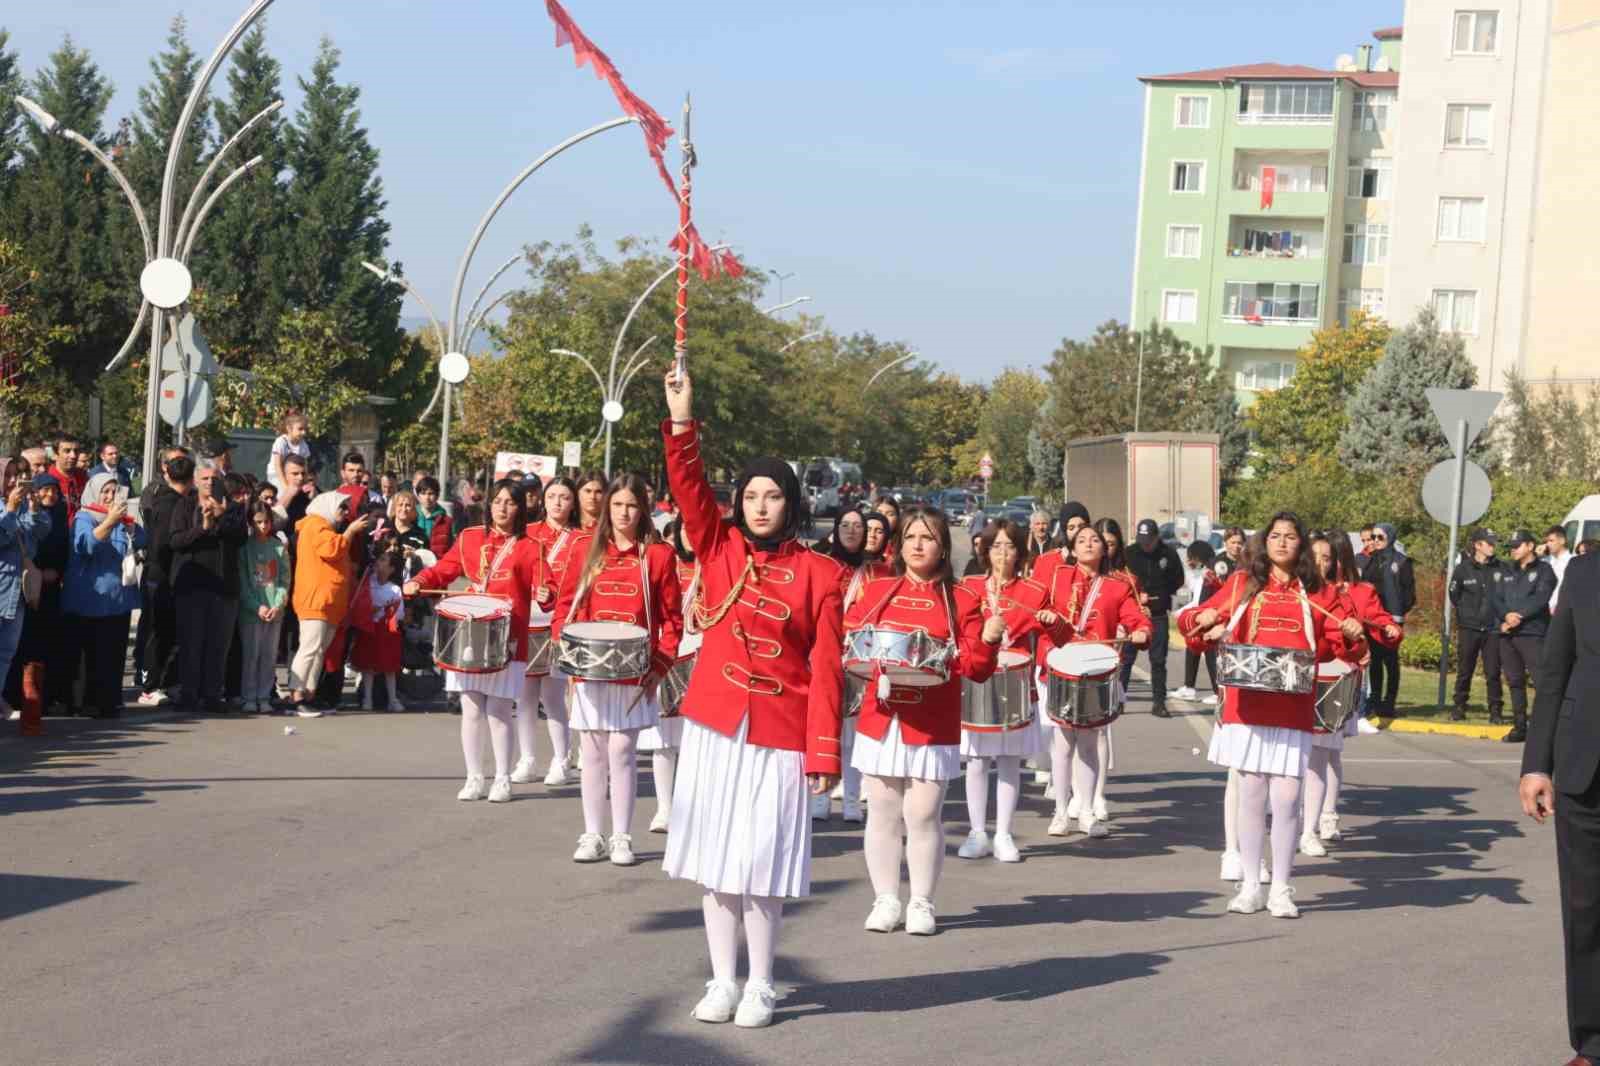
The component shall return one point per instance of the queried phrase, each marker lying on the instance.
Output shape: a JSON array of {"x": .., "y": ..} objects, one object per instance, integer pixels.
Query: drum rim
[
  {"x": 637, "y": 632},
  {"x": 502, "y": 607}
]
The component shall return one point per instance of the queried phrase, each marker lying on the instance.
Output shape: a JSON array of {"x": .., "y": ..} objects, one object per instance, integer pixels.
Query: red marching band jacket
[
  {"x": 770, "y": 622},
  {"x": 1115, "y": 606},
  {"x": 1275, "y": 617},
  {"x": 519, "y": 573},
  {"x": 1019, "y": 600},
  {"x": 1360, "y": 601},
  {"x": 617, "y": 595},
  {"x": 927, "y": 715}
]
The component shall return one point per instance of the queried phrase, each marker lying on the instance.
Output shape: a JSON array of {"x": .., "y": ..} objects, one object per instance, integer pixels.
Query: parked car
[
  {"x": 956, "y": 503},
  {"x": 1028, "y": 504}
]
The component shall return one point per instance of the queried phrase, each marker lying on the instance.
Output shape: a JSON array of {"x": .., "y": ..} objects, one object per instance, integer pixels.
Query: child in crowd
[
  {"x": 375, "y": 616},
  {"x": 1200, "y": 581},
  {"x": 291, "y": 441},
  {"x": 263, "y": 601}
]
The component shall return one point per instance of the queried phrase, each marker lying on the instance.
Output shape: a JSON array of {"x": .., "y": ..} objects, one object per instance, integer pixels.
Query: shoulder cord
[{"x": 708, "y": 618}]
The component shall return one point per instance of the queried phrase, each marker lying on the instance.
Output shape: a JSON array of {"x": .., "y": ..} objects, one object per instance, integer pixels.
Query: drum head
[
  {"x": 1333, "y": 670},
  {"x": 690, "y": 644},
  {"x": 1011, "y": 660},
  {"x": 603, "y": 631},
  {"x": 538, "y": 617},
  {"x": 476, "y": 606},
  {"x": 1083, "y": 660}
]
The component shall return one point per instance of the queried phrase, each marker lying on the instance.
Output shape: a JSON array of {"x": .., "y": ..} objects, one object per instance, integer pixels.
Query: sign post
[
  {"x": 986, "y": 471},
  {"x": 572, "y": 455}
]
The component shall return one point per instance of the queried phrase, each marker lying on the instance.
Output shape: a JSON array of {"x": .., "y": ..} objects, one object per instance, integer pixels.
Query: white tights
[
  {"x": 1008, "y": 770},
  {"x": 609, "y": 758},
  {"x": 1082, "y": 750},
  {"x": 663, "y": 766},
  {"x": 763, "y": 918},
  {"x": 474, "y": 706},
  {"x": 915, "y": 803},
  {"x": 1255, "y": 792},
  {"x": 852, "y": 776},
  {"x": 552, "y": 693},
  {"x": 1323, "y": 775}
]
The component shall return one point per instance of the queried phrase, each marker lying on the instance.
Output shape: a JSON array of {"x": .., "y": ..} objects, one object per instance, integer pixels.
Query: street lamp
[
  {"x": 813, "y": 335},
  {"x": 780, "y": 278},
  {"x": 785, "y": 306},
  {"x": 890, "y": 365}
]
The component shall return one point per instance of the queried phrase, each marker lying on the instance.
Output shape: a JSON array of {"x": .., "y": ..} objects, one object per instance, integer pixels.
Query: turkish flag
[{"x": 1269, "y": 183}]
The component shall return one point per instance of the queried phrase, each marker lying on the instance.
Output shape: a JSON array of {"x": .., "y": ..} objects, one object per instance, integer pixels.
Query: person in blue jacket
[
  {"x": 102, "y": 588},
  {"x": 23, "y": 523},
  {"x": 1523, "y": 600}
]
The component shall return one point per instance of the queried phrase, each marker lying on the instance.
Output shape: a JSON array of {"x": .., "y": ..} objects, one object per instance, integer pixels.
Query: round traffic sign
[
  {"x": 453, "y": 368},
  {"x": 1440, "y": 483},
  {"x": 165, "y": 283}
]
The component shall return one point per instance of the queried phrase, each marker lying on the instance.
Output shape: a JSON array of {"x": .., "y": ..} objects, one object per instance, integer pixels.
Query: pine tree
[
  {"x": 1392, "y": 429},
  {"x": 236, "y": 255},
  {"x": 10, "y": 119},
  {"x": 1044, "y": 458},
  {"x": 334, "y": 202}
]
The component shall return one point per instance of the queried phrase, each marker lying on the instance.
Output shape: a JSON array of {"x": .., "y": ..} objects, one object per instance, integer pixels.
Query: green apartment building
[{"x": 1264, "y": 194}]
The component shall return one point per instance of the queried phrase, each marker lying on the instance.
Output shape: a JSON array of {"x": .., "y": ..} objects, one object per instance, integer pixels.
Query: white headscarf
[
  {"x": 91, "y": 490},
  {"x": 326, "y": 506}
]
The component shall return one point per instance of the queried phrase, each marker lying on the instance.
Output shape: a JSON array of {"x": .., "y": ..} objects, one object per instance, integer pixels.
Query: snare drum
[
  {"x": 1338, "y": 695},
  {"x": 912, "y": 659},
  {"x": 1082, "y": 686},
  {"x": 676, "y": 682},
  {"x": 1002, "y": 703},
  {"x": 1264, "y": 669},
  {"x": 472, "y": 633},
  {"x": 603, "y": 651},
  {"x": 541, "y": 647}
]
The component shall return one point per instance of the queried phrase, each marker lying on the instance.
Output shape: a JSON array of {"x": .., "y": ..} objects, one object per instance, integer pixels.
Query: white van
[{"x": 1583, "y": 522}]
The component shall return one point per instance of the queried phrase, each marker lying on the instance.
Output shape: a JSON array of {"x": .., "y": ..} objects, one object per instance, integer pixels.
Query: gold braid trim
[{"x": 707, "y": 618}]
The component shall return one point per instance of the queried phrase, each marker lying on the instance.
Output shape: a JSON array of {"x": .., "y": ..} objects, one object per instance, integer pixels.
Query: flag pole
[{"x": 681, "y": 319}]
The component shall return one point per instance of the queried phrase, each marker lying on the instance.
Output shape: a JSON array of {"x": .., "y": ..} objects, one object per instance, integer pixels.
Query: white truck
[{"x": 1132, "y": 476}]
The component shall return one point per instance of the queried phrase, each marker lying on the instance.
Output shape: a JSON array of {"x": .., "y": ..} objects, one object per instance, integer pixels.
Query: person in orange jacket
[{"x": 321, "y": 589}]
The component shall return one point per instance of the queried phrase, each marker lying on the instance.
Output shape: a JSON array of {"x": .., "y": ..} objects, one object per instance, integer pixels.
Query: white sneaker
[
  {"x": 1280, "y": 903},
  {"x": 1328, "y": 827},
  {"x": 151, "y": 699},
  {"x": 821, "y": 807},
  {"x": 1074, "y": 806},
  {"x": 557, "y": 775},
  {"x": 1005, "y": 848},
  {"x": 852, "y": 811},
  {"x": 591, "y": 848},
  {"x": 919, "y": 917},
  {"x": 977, "y": 845},
  {"x": 473, "y": 789},
  {"x": 622, "y": 850},
  {"x": 1232, "y": 867},
  {"x": 1185, "y": 693},
  {"x": 1091, "y": 826},
  {"x": 1059, "y": 824},
  {"x": 395, "y": 706},
  {"x": 1100, "y": 812},
  {"x": 1041, "y": 777},
  {"x": 1248, "y": 900},
  {"x": 658, "y": 824},
  {"x": 13, "y": 715},
  {"x": 524, "y": 772},
  {"x": 1312, "y": 846},
  {"x": 1209, "y": 699},
  {"x": 308, "y": 712},
  {"x": 1366, "y": 728},
  {"x": 352, "y": 676},
  {"x": 885, "y": 916},
  {"x": 718, "y": 1003},
  {"x": 500, "y": 791},
  {"x": 755, "y": 1009}
]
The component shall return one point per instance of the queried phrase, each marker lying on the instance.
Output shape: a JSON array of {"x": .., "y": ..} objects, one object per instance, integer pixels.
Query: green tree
[
  {"x": 1391, "y": 429},
  {"x": 311, "y": 371},
  {"x": 1045, "y": 459},
  {"x": 1006, "y": 420},
  {"x": 10, "y": 118},
  {"x": 32, "y": 389},
  {"x": 1307, "y": 416},
  {"x": 1551, "y": 434},
  {"x": 944, "y": 421}
]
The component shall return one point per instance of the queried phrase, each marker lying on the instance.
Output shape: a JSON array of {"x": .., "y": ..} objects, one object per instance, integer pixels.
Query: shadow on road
[
  {"x": 1082, "y": 907},
  {"x": 35, "y": 779},
  {"x": 22, "y": 893},
  {"x": 637, "y": 1038},
  {"x": 691, "y": 917}
]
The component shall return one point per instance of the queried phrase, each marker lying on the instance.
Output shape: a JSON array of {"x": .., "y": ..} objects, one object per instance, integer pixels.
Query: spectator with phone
[{"x": 102, "y": 588}]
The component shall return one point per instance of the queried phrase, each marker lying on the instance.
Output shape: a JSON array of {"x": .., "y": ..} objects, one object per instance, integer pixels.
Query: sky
[{"x": 957, "y": 176}]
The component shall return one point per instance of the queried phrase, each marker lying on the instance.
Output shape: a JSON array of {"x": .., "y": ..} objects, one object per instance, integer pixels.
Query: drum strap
[
  {"x": 691, "y": 623},
  {"x": 555, "y": 549},
  {"x": 1088, "y": 604},
  {"x": 1238, "y": 613},
  {"x": 482, "y": 583}
]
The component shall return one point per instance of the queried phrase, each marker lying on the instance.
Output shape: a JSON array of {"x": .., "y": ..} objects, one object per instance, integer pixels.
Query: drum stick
[{"x": 1366, "y": 622}]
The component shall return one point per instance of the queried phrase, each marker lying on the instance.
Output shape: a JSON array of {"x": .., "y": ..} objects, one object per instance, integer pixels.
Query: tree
[
  {"x": 1550, "y": 435},
  {"x": 311, "y": 371},
  {"x": 1391, "y": 429},
  {"x": 1307, "y": 416},
  {"x": 943, "y": 422},
  {"x": 1007, "y": 420},
  {"x": 1045, "y": 459},
  {"x": 31, "y": 389},
  {"x": 10, "y": 118}
]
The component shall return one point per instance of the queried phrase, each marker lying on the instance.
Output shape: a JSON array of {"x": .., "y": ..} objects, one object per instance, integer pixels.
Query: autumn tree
[
  {"x": 1005, "y": 422},
  {"x": 1307, "y": 416}
]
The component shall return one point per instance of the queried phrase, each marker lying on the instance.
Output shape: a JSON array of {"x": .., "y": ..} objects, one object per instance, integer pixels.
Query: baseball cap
[
  {"x": 1481, "y": 534},
  {"x": 1521, "y": 537},
  {"x": 1147, "y": 531}
]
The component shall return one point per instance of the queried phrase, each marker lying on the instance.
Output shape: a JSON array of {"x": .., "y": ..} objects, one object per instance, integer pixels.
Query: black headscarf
[
  {"x": 888, "y": 534},
  {"x": 674, "y": 536},
  {"x": 1070, "y": 510},
  {"x": 836, "y": 550},
  {"x": 796, "y": 516}
]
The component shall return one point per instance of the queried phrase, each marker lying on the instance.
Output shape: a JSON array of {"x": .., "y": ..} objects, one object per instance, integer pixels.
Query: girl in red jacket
[
  {"x": 1279, "y": 601},
  {"x": 626, "y": 575},
  {"x": 908, "y": 739},
  {"x": 556, "y": 536}
]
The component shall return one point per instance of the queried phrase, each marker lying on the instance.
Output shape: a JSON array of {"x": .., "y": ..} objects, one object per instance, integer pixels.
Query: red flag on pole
[
  {"x": 1269, "y": 184},
  {"x": 656, "y": 132}
]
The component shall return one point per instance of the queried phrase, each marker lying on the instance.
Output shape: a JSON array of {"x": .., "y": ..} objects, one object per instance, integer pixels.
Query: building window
[
  {"x": 1368, "y": 300},
  {"x": 1264, "y": 377},
  {"x": 1194, "y": 112},
  {"x": 1476, "y": 33},
  {"x": 1461, "y": 218},
  {"x": 1371, "y": 112},
  {"x": 1183, "y": 242},
  {"x": 1277, "y": 243},
  {"x": 1457, "y": 310},
  {"x": 1466, "y": 126},
  {"x": 1188, "y": 177},
  {"x": 1370, "y": 179},
  {"x": 1288, "y": 177},
  {"x": 1366, "y": 245},
  {"x": 1180, "y": 305},
  {"x": 1270, "y": 303},
  {"x": 1268, "y": 103}
]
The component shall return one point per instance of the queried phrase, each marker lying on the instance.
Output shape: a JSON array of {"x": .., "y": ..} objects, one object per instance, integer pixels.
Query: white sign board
[
  {"x": 525, "y": 463},
  {"x": 572, "y": 453},
  {"x": 1454, "y": 406}
]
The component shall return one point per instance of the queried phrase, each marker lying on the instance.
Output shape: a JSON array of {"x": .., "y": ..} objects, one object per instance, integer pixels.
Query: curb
[{"x": 1449, "y": 729}]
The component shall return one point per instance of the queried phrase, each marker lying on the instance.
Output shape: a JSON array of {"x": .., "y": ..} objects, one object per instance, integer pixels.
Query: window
[
  {"x": 1371, "y": 112},
  {"x": 1183, "y": 242},
  {"x": 1457, "y": 310},
  {"x": 1366, "y": 245},
  {"x": 1287, "y": 102},
  {"x": 1466, "y": 126},
  {"x": 1188, "y": 177},
  {"x": 1368, "y": 300},
  {"x": 1277, "y": 243},
  {"x": 1180, "y": 305},
  {"x": 1194, "y": 112},
  {"x": 1461, "y": 218},
  {"x": 1266, "y": 302},
  {"x": 1475, "y": 33},
  {"x": 1264, "y": 377},
  {"x": 1370, "y": 179},
  {"x": 1290, "y": 178}
]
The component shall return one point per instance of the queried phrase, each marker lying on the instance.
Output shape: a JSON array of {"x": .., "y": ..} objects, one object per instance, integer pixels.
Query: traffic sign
[
  {"x": 986, "y": 466},
  {"x": 1452, "y": 406},
  {"x": 571, "y": 453},
  {"x": 1440, "y": 483},
  {"x": 188, "y": 344},
  {"x": 192, "y": 406}
]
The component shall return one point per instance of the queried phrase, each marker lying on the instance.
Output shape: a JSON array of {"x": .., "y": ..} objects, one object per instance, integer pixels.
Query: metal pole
[
  {"x": 1450, "y": 556},
  {"x": 608, "y": 451},
  {"x": 1138, "y": 385},
  {"x": 444, "y": 442}
]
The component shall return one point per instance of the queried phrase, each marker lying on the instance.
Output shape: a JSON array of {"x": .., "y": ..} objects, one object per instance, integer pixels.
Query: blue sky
[{"x": 959, "y": 176}]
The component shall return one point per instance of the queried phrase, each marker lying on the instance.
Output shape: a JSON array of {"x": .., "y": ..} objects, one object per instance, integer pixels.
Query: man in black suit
[{"x": 1559, "y": 777}]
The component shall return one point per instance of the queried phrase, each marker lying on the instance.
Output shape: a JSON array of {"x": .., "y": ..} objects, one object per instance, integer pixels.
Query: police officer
[
  {"x": 1524, "y": 617},
  {"x": 1474, "y": 591},
  {"x": 1160, "y": 572},
  {"x": 1389, "y": 571}
]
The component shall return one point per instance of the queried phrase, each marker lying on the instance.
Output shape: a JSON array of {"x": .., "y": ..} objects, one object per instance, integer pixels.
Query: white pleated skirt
[
  {"x": 505, "y": 683},
  {"x": 893, "y": 757},
  {"x": 1260, "y": 749},
  {"x": 605, "y": 706},
  {"x": 741, "y": 818},
  {"x": 665, "y": 735},
  {"x": 1020, "y": 742}
]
